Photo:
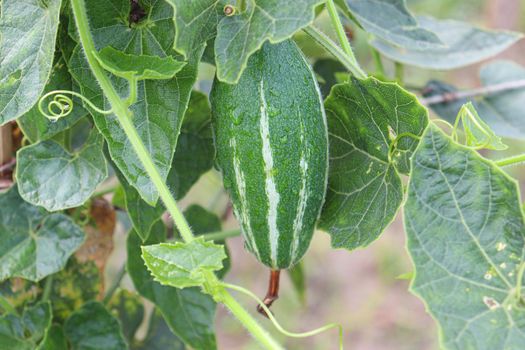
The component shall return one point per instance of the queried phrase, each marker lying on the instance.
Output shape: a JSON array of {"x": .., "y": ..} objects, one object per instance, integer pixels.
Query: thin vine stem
[
  {"x": 214, "y": 236},
  {"x": 124, "y": 116},
  {"x": 341, "y": 35},
  {"x": 520, "y": 158},
  {"x": 278, "y": 326},
  {"x": 48, "y": 287},
  {"x": 327, "y": 43},
  {"x": 62, "y": 105}
]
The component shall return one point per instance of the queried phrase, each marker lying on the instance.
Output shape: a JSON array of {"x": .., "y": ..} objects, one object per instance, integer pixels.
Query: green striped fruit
[{"x": 272, "y": 147}]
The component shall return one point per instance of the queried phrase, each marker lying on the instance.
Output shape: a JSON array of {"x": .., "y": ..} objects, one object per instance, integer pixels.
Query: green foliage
[
  {"x": 93, "y": 327},
  {"x": 239, "y": 35},
  {"x": 464, "y": 44},
  {"x": 42, "y": 164},
  {"x": 468, "y": 259},
  {"x": 24, "y": 332},
  {"x": 189, "y": 313},
  {"x": 391, "y": 21},
  {"x": 501, "y": 111},
  {"x": 84, "y": 83},
  {"x": 183, "y": 265},
  {"x": 35, "y": 243},
  {"x": 29, "y": 29},
  {"x": 373, "y": 129},
  {"x": 138, "y": 67}
]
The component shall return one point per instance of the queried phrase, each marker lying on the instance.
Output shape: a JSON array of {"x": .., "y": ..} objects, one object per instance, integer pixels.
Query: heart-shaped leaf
[
  {"x": 35, "y": 243},
  {"x": 466, "y": 236},
  {"x": 365, "y": 118}
]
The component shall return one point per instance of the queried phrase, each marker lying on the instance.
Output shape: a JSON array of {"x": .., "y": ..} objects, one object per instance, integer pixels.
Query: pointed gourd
[{"x": 272, "y": 148}]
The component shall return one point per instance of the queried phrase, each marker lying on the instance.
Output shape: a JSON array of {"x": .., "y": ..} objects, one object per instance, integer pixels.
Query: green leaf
[
  {"x": 181, "y": 264},
  {"x": 364, "y": 188},
  {"x": 201, "y": 222},
  {"x": 128, "y": 308},
  {"x": 35, "y": 243},
  {"x": 240, "y": 35},
  {"x": 160, "y": 105},
  {"x": 464, "y": 45},
  {"x": 477, "y": 133},
  {"x": 93, "y": 327},
  {"x": 23, "y": 333},
  {"x": 29, "y": 29},
  {"x": 502, "y": 111},
  {"x": 52, "y": 177},
  {"x": 138, "y": 67},
  {"x": 465, "y": 230},
  {"x": 37, "y": 127},
  {"x": 54, "y": 339},
  {"x": 391, "y": 21},
  {"x": 159, "y": 336},
  {"x": 188, "y": 312},
  {"x": 195, "y": 151}
]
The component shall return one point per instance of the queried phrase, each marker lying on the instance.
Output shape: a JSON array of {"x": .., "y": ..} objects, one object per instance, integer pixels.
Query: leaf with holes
[
  {"x": 365, "y": 117},
  {"x": 160, "y": 105},
  {"x": 188, "y": 312},
  {"x": 464, "y": 45},
  {"x": 41, "y": 165},
  {"x": 35, "y": 243},
  {"x": 466, "y": 237},
  {"x": 29, "y": 30}
]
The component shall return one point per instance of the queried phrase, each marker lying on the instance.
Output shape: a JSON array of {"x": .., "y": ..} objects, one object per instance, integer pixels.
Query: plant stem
[
  {"x": 116, "y": 283},
  {"x": 323, "y": 40},
  {"x": 124, "y": 116},
  {"x": 215, "y": 236},
  {"x": 399, "y": 72},
  {"x": 247, "y": 320},
  {"x": 341, "y": 35},
  {"x": 485, "y": 90},
  {"x": 520, "y": 158},
  {"x": 380, "y": 69},
  {"x": 48, "y": 286}
]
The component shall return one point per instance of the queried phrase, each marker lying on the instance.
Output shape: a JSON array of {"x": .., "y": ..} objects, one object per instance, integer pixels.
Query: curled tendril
[
  {"x": 62, "y": 105},
  {"x": 393, "y": 145},
  {"x": 278, "y": 326}
]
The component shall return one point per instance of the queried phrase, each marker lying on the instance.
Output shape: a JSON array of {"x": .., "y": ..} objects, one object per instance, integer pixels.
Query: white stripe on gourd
[
  {"x": 270, "y": 188},
  {"x": 243, "y": 214}
]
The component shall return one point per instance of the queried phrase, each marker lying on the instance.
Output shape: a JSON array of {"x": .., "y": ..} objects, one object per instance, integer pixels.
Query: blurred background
[{"x": 362, "y": 290}]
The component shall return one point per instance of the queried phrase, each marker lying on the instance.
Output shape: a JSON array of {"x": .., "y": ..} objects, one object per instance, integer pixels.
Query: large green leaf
[
  {"x": 159, "y": 336},
  {"x": 35, "y": 243},
  {"x": 391, "y": 21},
  {"x": 241, "y": 34},
  {"x": 28, "y": 33},
  {"x": 161, "y": 104},
  {"x": 364, "y": 187},
  {"x": 466, "y": 237},
  {"x": 188, "y": 312},
  {"x": 23, "y": 333},
  {"x": 37, "y": 127},
  {"x": 54, "y": 339},
  {"x": 52, "y": 177},
  {"x": 464, "y": 45},
  {"x": 93, "y": 327},
  {"x": 502, "y": 111}
]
